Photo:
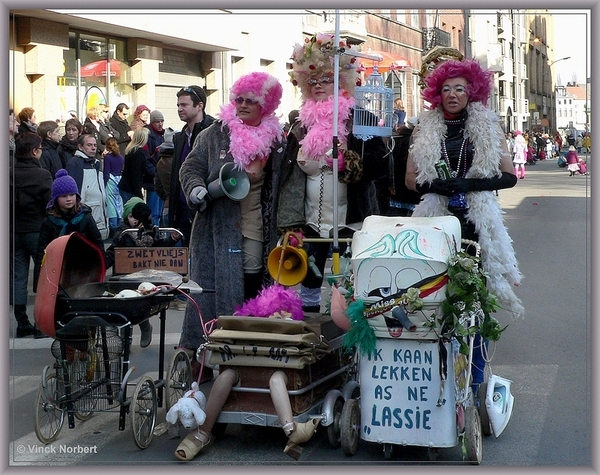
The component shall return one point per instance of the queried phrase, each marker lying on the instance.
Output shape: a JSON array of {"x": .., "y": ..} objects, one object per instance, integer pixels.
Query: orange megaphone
[{"x": 287, "y": 264}]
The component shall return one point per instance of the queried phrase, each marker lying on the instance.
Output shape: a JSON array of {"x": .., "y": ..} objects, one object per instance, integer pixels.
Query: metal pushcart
[
  {"x": 320, "y": 374},
  {"x": 415, "y": 388},
  {"x": 93, "y": 334}
]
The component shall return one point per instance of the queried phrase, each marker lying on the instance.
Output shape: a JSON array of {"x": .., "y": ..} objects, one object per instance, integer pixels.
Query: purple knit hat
[{"x": 63, "y": 185}]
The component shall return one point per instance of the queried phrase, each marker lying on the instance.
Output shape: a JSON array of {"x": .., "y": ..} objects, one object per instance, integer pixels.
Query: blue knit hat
[{"x": 63, "y": 185}]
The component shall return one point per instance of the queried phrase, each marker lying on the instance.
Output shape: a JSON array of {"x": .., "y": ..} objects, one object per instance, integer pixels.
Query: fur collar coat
[{"x": 497, "y": 253}]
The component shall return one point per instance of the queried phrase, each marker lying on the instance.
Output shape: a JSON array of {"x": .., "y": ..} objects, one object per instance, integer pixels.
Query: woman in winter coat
[
  {"x": 141, "y": 117},
  {"x": 132, "y": 178},
  {"x": 50, "y": 133},
  {"x": 68, "y": 143}
]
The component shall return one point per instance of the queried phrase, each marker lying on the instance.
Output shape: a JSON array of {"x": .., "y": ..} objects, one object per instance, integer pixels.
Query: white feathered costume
[{"x": 497, "y": 253}]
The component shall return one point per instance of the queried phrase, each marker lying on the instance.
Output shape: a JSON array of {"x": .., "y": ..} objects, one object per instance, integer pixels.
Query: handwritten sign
[
  {"x": 400, "y": 395},
  {"x": 135, "y": 259}
]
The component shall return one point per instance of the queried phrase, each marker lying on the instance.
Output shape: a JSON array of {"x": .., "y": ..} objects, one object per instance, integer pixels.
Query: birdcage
[{"x": 374, "y": 110}]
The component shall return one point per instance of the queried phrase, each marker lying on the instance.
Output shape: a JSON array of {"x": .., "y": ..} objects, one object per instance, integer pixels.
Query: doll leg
[
  {"x": 197, "y": 440},
  {"x": 297, "y": 433}
]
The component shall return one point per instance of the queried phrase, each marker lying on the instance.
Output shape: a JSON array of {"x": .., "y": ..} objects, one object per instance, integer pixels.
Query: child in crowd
[
  {"x": 66, "y": 214},
  {"x": 137, "y": 214}
]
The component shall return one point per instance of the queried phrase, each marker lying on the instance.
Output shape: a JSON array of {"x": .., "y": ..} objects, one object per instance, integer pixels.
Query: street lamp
[{"x": 544, "y": 103}]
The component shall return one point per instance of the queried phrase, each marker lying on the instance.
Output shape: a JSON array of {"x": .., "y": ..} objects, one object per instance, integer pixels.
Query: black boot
[
  {"x": 146, "y": 337},
  {"x": 24, "y": 326}
]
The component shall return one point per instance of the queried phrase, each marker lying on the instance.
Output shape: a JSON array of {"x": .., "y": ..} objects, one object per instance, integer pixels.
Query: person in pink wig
[
  {"x": 306, "y": 203},
  {"x": 462, "y": 134},
  {"x": 231, "y": 239}
]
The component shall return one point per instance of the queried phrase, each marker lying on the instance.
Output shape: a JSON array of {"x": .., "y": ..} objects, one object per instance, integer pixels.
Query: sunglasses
[
  {"x": 322, "y": 81},
  {"x": 240, "y": 100},
  {"x": 191, "y": 92}
]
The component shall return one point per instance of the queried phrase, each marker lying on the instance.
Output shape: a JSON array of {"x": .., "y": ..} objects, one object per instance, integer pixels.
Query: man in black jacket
[
  {"x": 30, "y": 191},
  {"x": 190, "y": 108},
  {"x": 118, "y": 121}
]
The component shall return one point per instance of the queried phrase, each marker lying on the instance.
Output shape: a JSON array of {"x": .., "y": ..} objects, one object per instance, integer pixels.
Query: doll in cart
[{"x": 275, "y": 302}]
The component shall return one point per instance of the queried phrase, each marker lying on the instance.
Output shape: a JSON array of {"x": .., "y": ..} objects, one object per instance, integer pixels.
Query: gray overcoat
[{"x": 216, "y": 239}]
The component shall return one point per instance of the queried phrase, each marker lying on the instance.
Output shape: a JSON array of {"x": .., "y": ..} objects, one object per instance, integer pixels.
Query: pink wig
[
  {"x": 261, "y": 87},
  {"x": 479, "y": 81},
  {"x": 273, "y": 299}
]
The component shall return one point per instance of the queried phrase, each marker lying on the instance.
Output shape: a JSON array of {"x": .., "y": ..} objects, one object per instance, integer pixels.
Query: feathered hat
[{"x": 315, "y": 57}]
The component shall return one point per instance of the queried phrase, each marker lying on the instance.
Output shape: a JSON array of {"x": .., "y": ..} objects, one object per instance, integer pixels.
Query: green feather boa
[{"x": 361, "y": 335}]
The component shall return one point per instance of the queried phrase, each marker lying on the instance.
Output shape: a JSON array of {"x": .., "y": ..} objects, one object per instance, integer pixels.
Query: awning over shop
[{"x": 390, "y": 62}]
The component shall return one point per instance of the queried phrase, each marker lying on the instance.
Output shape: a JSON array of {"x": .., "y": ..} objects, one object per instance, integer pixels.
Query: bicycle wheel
[
  {"x": 143, "y": 412},
  {"x": 179, "y": 377},
  {"x": 49, "y": 416}
]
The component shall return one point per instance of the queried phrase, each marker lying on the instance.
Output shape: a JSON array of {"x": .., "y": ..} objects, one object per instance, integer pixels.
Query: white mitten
[{"x": 197, "y": 197}]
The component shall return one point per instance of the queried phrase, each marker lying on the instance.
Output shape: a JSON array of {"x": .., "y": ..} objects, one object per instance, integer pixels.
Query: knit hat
[
  {"x": 63, "y": 185},
  {"x": 315, "y": 57},
  {"x": 128, "y": 207},
  {"x": 140, "y": 109},
  {"x": 261, "y": 87},
  {"x": 156, "y": 116}
]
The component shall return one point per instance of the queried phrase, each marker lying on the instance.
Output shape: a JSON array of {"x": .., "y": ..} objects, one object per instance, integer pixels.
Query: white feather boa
[{"x": 497, "y": 253}]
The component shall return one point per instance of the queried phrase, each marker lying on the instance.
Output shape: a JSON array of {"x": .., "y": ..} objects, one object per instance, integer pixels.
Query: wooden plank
[{"x": 135, "y": 259}]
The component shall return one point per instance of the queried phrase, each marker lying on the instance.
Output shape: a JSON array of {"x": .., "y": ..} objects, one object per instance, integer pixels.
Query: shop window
[{"x": 95, "y": 71}]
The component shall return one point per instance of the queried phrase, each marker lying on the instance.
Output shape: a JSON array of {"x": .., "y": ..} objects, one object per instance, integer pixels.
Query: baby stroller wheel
[
  {"x": 49, "y": 416},
  {"x": 179, "y": 377},
  {"x": 143, "y": 412}
]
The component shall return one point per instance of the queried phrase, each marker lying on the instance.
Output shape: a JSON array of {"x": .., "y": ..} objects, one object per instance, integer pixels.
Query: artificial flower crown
[{"x": 315, "y": 58}]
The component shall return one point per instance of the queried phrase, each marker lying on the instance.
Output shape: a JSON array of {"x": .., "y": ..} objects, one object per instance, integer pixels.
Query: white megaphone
[{"x": 232, "y": 183}]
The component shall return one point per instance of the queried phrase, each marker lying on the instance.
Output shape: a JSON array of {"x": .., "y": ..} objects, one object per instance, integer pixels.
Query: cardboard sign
[
  {"x": 403, "y": 400},
  {"x": 135, "y": 259}
]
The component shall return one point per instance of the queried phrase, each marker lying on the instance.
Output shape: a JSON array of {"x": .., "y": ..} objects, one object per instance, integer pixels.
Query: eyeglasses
[
  {"x": 190, "y": 91},
  {"x": 322, "y": 81},
  {"x": 240, "y": 100},
  {"x": 457, "y": 89}
]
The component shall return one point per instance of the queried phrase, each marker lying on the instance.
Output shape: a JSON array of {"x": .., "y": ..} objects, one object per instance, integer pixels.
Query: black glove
[
  {"x": 466, "y": 185},
  {"x": 453, "y": 186},
  {"x": 437, "y": 186}
]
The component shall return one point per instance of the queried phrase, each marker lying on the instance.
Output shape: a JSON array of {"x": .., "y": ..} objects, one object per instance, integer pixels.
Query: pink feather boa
[
  {"x": 317, "y": 117},
  {"x": 247, "y": 142},
  {"x": 273, "y": 299}
]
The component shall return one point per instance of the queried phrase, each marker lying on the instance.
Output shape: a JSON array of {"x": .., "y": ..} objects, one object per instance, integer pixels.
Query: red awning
[
  {"x": 390, "y": 62},
  {"x": 100, "y": 68}
]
